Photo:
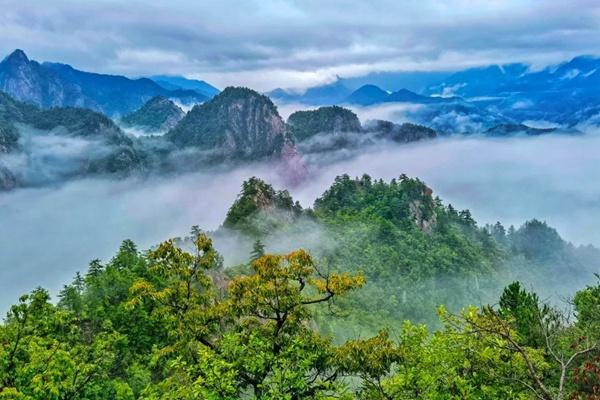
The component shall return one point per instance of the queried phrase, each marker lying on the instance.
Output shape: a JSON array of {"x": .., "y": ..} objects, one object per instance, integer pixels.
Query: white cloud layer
[
  {"x": 264, "y": 44},
  {"x": 54, "y": 232}
]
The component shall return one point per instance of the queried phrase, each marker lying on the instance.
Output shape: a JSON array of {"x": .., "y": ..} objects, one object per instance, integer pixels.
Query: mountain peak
[{"x": 17, "y": 56}]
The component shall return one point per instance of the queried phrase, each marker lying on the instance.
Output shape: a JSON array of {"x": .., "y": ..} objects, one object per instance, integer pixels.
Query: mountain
[
  {"x": 238, "y": 123},
  {"x": 59, "y": 143},
  {"x": 401, "y": 133},
  {"x": 483, "y": 81},
  {"x": 456, "y": 117},
  {"x": 178, "y": 82},
  {"x": 58, "y": 85},
  {"x": 370, "y": 94},
  {"x": 329, "y": 94},
  {"x": 517, "y": 129},
  {"x": 159, "y": 114},
  {"x": 28, "y": 81},
  {"x": 565, "y": 93},
  {"x": 331, "y": 119},
  {"x": 367, "y": 95}
]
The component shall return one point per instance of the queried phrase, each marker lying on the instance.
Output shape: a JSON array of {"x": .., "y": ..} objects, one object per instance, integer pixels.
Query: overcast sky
[{"x": 267, "y": 44}]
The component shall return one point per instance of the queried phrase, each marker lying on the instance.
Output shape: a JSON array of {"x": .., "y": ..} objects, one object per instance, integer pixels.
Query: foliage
[
  {"x": 305, "y": 124},
  {"x": 158, "y": 114}
]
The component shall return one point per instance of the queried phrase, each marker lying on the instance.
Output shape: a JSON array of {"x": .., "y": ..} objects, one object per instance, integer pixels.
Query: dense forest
[{"x": 399, "y": 297}]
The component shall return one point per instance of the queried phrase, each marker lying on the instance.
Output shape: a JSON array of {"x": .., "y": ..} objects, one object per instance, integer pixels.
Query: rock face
[
  {"x": 30, "y": 82},
  {"x": 59, "y": 85},
  {"x": 239, "y": 123},
  {"x": 404, "y": 133},
  {"x": 305, "y": 124},
  {"x": 159, "y": 114}
]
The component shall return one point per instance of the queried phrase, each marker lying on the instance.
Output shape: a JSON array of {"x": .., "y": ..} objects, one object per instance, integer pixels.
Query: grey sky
[{"x": 265, "y": 44}]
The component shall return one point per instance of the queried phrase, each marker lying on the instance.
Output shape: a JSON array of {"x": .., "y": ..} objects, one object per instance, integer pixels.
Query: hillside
[
  {"x": 159, "y": 114},
  {"x": 75, "y": 142},
  {"x": 307, "y": 321},
  {"x": 415, "y": 252},
  {"x": 331, "y": 120},
  {"x": 238, "y": 123}
]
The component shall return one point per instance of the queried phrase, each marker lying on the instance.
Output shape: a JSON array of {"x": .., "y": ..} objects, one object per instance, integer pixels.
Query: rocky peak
[
  {"x": 238, "y": 123},
  {"x": 17, "y": 57}
]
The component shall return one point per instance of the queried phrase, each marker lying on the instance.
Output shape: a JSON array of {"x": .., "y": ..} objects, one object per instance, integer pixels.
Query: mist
[{"x": 52, "y": 232}]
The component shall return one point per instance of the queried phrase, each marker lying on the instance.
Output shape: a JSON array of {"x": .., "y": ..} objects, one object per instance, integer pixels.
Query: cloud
[
  {"x": 56, "y": 231},
  {"x": 295, "y": 44}
]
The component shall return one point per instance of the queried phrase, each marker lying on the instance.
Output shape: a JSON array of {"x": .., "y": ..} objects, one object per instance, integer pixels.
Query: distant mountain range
[
  {"x": 55, "y": 121},
  {"x": 565, "y": 94},
  {"x": 178, "y": 83},
  {"x": 59, "y": 85}
]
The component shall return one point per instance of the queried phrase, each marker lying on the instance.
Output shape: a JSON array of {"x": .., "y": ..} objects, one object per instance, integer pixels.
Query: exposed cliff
[{"x": 238, "y": 123}]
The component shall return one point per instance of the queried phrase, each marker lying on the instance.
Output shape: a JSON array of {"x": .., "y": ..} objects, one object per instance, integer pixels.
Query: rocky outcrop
[
  {"x": 159, "y": 114},
  {"x": 238, "y": 123},
  {"x": 305, "y": 124}
]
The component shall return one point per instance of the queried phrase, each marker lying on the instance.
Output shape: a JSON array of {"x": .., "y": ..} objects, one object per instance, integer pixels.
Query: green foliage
[
  {"x": 238, "y": 122},
  {"x": 259, "y": 209},
  {"x": 158, "y": 114},
  {"x": 333, "y": 119},
  {"x": 167, "y": 324}
]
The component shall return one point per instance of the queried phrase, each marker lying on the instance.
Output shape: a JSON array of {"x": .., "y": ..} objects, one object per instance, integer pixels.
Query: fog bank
[{"x": 48, "y": 234}]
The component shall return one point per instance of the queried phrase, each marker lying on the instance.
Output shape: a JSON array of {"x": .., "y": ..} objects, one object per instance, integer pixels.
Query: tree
[{"x": 258, "y": 250}]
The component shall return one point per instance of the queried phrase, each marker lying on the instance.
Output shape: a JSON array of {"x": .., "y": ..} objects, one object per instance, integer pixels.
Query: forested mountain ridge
[
  {"x": 159, "y": 114},
  {"x": 168, "y": 323},
  {"x": 415, "y": 252}
]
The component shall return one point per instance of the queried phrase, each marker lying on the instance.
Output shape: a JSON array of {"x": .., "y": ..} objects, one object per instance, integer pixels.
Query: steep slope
[
  {"x": 333, "y": 119},
  {"x": 239, "y": 123},
  {"x": 159, "y": 114},
  {"x": 58, "y": 85},
  {"x": 28, "y": 81}
]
